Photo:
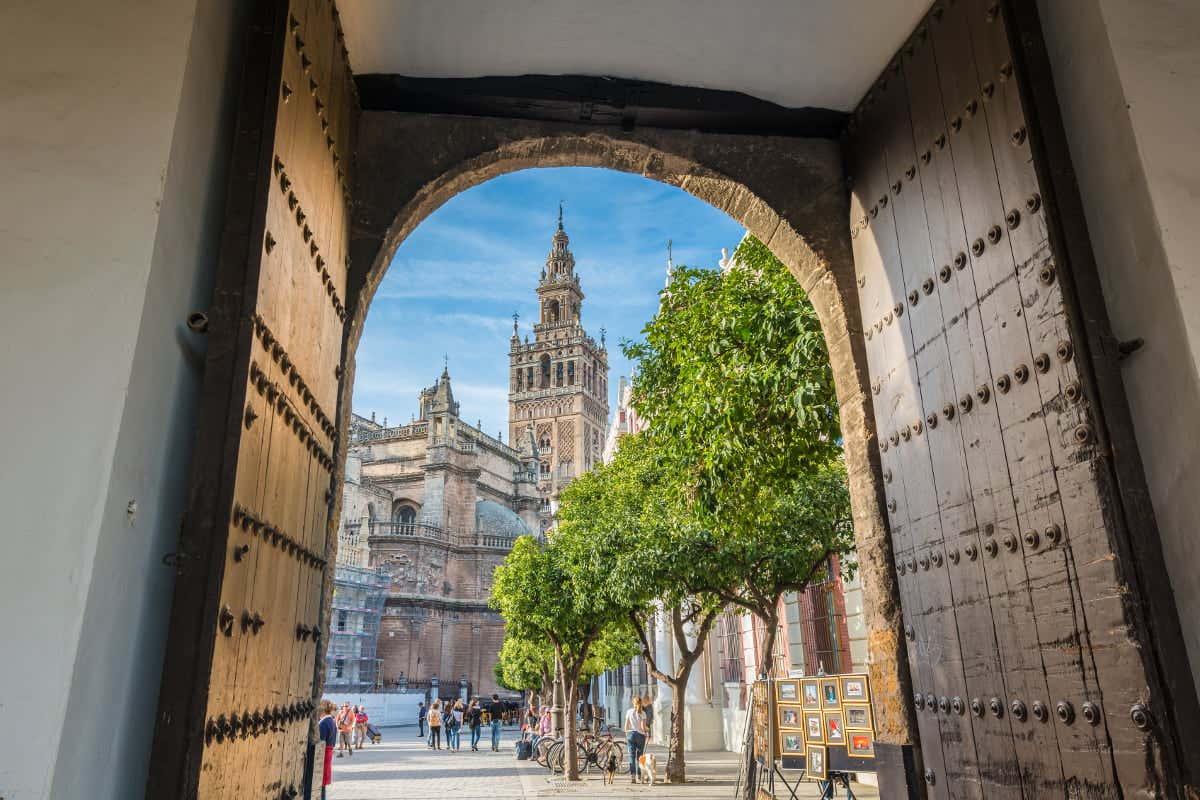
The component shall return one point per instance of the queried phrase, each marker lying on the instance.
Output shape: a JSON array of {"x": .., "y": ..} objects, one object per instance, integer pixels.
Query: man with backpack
[{"x": 496, "y": 710}]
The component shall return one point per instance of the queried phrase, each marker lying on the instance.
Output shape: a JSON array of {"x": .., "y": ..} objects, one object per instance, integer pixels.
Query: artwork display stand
[{"x": 817, "y": 729}]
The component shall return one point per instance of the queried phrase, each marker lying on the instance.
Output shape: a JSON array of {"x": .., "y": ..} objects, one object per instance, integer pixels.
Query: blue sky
[{"x": 456, "y": 281}]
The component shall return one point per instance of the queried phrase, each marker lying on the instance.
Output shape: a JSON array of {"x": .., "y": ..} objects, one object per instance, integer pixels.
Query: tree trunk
[
  {"x": 676, "y": 769},
  {"x": 766, "y": 657},
  {"x": 569, "y": 730}
]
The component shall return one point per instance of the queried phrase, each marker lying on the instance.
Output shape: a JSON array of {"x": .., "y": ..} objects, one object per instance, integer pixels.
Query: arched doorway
[{"x": 957, "y": 633}]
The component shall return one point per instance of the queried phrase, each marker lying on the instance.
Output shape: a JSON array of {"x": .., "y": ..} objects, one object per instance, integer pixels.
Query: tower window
[
  {"x": 545, "y": 372},
  {"x": 558, "y": 374},
  {"x": 571, "y": 374}
]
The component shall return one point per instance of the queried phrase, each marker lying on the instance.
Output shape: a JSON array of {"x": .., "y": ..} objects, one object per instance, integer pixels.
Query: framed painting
[
  {"x": 811, "y": 694},
  {"x": 814, "y": 727},
  {"x": 792, "y": 743},
  {"x": 790, "y": 716},
  {"x": 830, "y": 694},
  {"x": 858, "y": 717},
  {"x": 787, "y": 691},
  {"x": 835, "y": 728},
  {"x": 860, "y": 745},
  {"x": 814, "y": 762},
  {"x": 854, "y": 689}
]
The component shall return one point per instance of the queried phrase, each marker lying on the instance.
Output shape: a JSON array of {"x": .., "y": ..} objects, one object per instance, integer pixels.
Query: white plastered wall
[
  {"x": 1128, "y": 75},
  {"x": 112, "y": 163}
]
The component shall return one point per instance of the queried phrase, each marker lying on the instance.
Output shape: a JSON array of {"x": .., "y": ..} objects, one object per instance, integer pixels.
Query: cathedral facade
[{"x": 436, "y": 504}]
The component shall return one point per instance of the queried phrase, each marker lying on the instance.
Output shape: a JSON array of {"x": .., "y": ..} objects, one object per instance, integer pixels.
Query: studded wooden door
[
  {"x": 1032, "y": 673},
  {"x": 240, "y": 681}
]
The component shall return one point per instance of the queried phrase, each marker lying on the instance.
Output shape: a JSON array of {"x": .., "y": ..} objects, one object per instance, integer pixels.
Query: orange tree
[{"x": 544, "y": 595}]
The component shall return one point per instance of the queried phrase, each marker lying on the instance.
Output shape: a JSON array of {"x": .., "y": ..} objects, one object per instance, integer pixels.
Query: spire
[
  {"x": 560, "y": 264},
  {"x": 516, "y": 318},
  {"x": 670, "y": 263}
]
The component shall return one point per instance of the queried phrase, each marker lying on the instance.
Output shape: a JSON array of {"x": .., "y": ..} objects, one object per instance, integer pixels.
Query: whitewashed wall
[{"x": 383, "y": 709}]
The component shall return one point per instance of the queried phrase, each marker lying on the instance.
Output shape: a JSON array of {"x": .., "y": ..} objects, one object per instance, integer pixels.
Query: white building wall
[{"x": 112, "y": 168}]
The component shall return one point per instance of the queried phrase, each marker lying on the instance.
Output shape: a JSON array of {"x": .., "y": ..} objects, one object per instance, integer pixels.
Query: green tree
[
  {"x": 629, "y": 521},
  {"x": 544, "y": 595},
  {"x": 733, "y": 372},
  {"x": 525, "y": 665}
]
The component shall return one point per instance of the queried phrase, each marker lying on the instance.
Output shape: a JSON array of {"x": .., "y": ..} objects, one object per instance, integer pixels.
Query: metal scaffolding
[{"x": 352, "y": 664}]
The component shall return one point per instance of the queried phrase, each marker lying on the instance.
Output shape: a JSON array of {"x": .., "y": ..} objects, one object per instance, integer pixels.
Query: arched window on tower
[
  {"x": 558, "y": 374},
  {"x": 571, "y": 374},
  {"x": 552, "y": 311},
  {"x": 545, "y": 382},
  {"x": 529, "y": 377},
  {"x": 519, "y": 384}
]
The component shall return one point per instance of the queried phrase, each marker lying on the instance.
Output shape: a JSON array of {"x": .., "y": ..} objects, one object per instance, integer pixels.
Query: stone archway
[{"x": 789, "y": 192}]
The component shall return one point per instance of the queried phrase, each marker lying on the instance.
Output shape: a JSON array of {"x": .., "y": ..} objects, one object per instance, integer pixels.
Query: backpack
[{"x": 524, "y": 750}]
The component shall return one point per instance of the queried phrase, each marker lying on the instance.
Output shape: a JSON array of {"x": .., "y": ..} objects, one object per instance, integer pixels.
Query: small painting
[
  {"x": 829, "y": 693},
  {"x": 793, "y": 743},
  {"x": 854, "y": 689},
  {"x": 814, "y": 727},
  {"x": 858, "y": 717},
  {"x": 860, "y": 745},
  {"x": 789, "y": 716},
  {"x": 812, "y": 694},
  {"x": 814, "y": 762},
  {"x": 835, "y": 728},
  {"x": 787, "y": 691}
]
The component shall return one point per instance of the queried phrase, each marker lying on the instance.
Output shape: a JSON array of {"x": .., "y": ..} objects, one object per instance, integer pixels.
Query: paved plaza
[{"x": 403, "y": 768}]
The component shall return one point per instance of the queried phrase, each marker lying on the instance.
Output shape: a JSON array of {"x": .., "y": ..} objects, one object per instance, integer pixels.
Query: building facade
[
  {"x": 558, "y": 392},
  {"x": 432, "y": 508}
]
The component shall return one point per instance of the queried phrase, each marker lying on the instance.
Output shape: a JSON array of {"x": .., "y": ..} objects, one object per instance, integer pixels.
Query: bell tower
[{"x": 558, "y": 389}]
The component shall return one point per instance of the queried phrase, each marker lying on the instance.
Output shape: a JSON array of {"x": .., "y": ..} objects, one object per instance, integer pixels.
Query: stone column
[
  {"x": 704, "y": 724},
  {"x": 556, "y": 709},
  {"x": 664, "y": 656}
]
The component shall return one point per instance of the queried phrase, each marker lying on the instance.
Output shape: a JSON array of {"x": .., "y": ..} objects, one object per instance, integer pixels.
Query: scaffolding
[{"x": 351, "y": 661}]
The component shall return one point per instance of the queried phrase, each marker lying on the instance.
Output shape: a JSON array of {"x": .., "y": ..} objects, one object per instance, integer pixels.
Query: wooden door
[
  {"x": 241, "y": 676},
  {"x": 1034, "y": 672}
]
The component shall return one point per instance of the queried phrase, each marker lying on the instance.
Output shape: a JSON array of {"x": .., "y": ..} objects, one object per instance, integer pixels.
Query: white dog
[{"x": 648, "y": 768}]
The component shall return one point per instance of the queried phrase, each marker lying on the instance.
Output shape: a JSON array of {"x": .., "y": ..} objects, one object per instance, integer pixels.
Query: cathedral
[{"x": 435, "y": 504}]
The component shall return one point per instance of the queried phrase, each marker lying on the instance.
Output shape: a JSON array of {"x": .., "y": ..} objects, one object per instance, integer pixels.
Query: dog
[
  {"x": 648, "y": 768},
  {"x": 610, "y": 770}
]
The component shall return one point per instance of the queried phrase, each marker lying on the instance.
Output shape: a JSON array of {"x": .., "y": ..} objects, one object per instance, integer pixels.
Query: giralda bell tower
[{"x": 558, "y": 391}]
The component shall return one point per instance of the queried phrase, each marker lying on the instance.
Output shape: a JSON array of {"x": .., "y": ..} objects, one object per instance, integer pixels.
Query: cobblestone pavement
[{"x": 402, "y": 767}]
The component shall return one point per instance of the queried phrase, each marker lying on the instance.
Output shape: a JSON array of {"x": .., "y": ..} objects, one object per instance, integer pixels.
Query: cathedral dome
[{"x": 493, "y": 519}]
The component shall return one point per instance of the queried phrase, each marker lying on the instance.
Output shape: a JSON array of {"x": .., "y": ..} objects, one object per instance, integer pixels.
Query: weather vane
[
  {"x": 603, "y": 333},
  {"x": 560, "y": 206},
  {"x": 446, "y": 362}
]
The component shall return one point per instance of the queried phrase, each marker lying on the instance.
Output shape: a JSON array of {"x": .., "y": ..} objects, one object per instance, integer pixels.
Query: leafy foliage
[{"x": 734, "y": 373}]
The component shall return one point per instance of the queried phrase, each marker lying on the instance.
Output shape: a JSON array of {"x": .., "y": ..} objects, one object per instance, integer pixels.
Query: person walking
[
  {"x": 327, "y": 728},
  {"x": 360, "y": 726},
  {"x": 345, "y": 726},
  {"x": 635, "y": 735},
  {"x": 474, "y": 720},
  {"x": 435, "y": 725},
  {"x": 422, "y": 711},
  {"x": 496, "y": 710},
  {"x": 456, "y": 724}
]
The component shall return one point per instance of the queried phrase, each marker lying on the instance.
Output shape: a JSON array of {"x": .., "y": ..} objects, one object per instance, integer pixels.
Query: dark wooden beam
[{"x": 608, "y": 102}]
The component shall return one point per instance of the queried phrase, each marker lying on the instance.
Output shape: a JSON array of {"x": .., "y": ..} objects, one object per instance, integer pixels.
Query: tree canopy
[{"x": 733, "y": 372}]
